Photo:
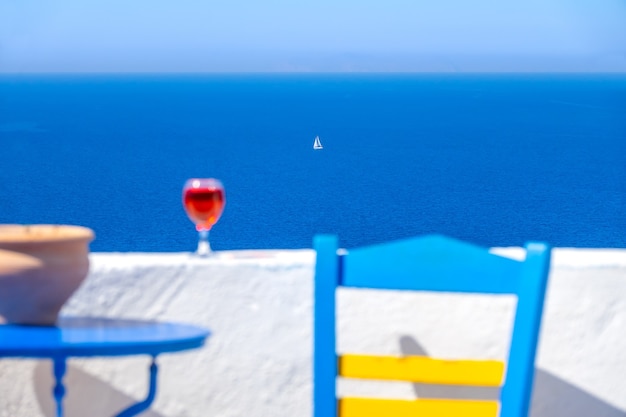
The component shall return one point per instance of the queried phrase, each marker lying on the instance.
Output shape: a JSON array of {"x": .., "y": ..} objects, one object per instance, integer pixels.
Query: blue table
[{"x": 91, "y": 337}]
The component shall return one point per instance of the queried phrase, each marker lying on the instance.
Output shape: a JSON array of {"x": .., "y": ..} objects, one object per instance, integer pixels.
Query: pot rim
[{"x": 40, "y": 233}]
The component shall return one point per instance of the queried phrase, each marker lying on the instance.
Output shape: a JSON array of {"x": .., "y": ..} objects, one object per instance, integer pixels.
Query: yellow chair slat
[
  {"x": 422, "y": 369},
  {"x": 367, "y": 407}
]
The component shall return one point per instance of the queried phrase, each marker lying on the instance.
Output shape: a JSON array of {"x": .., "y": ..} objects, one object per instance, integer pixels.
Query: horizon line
[{"x": 329, "y": 72}]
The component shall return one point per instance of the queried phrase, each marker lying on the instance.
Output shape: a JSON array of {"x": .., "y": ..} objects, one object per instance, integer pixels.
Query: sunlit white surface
[{"x": 257, "y": 361}]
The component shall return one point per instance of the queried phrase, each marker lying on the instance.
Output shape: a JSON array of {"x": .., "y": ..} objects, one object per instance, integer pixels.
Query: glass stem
[{"x": 204, "y": 249}]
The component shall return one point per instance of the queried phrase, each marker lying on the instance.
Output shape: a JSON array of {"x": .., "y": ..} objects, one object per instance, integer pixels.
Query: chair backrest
[{"x": 429, "y": 263}]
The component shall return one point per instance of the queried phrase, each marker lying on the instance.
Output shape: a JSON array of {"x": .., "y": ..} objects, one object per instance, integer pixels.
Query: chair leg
[{"x": 135, "y": 409}]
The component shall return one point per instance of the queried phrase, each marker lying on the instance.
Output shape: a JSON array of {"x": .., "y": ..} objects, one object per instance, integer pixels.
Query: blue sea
[{"x": 494, "y": 159}]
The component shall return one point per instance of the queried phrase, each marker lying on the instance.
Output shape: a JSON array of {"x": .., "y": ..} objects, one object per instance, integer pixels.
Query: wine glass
[{"x": 203, "y": 200}]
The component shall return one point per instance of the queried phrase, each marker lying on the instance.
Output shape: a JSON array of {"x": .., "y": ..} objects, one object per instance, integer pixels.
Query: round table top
[{"x": 96, "y": 336}]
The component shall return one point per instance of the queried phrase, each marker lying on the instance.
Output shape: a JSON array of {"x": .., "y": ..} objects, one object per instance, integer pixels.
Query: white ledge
[
  {"x": 257, "y": 362},
  {"x": 575, "y": 257}
]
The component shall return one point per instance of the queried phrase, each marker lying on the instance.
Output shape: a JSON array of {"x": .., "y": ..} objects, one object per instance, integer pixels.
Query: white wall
[{"x": 258, "y": 361}]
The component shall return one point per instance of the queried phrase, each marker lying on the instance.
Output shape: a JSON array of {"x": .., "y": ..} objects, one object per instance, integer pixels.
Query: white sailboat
[{"x": 317, "y": 144}]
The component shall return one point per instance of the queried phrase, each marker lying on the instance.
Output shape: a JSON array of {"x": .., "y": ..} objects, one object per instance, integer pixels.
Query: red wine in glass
[{"x": 203, "y": 200}]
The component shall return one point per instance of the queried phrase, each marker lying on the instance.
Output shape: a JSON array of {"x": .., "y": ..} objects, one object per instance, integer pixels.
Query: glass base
[{"x": 204, "y": 248}]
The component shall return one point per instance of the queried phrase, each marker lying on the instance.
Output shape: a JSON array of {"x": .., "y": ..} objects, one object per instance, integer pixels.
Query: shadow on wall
[
  {"x": 552, "y": 396},
  {"x": 86, "y": 394}
]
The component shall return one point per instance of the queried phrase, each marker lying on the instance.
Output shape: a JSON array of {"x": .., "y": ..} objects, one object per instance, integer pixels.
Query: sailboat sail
[{"x": 317, "y": 144}]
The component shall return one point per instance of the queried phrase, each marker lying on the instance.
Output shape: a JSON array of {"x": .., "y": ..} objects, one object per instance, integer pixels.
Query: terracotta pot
[{"x": 40, "y": 268}]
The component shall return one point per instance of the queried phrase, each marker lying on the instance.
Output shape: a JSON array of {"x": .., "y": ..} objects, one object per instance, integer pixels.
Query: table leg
[
  {"x": 133, "y": 410},
  {"x": 59, "y": 390}
]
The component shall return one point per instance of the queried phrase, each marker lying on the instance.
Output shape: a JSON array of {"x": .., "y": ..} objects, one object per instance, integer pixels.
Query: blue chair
[{"x": 430, "y": 263}]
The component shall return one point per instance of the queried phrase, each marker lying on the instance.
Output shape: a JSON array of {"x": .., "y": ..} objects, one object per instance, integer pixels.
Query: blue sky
[{"x": 312, "y": 35}]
